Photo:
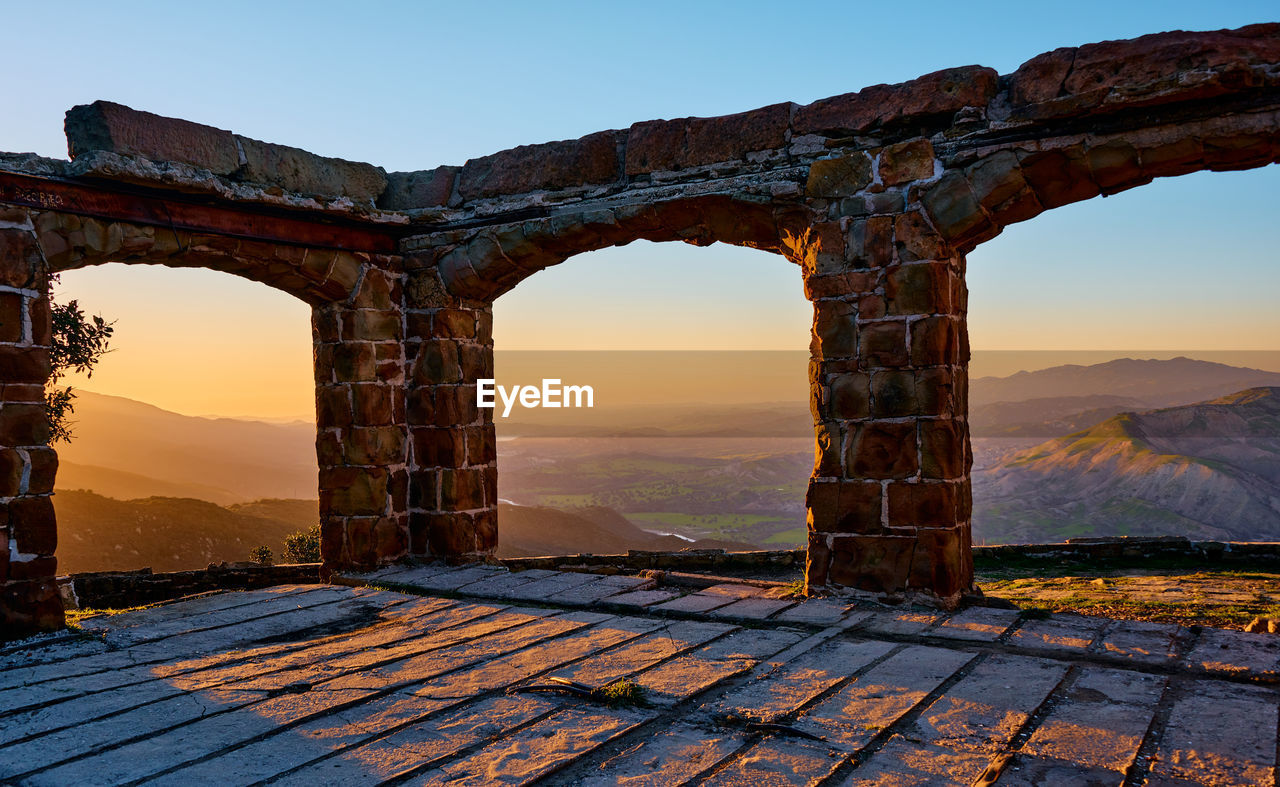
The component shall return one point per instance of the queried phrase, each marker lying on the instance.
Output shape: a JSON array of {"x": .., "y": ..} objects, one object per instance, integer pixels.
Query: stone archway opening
[
  {"x": 1160, "y": 319},
  {"x": 700, "y": 429},
  {"x": 194, "y": 441}
]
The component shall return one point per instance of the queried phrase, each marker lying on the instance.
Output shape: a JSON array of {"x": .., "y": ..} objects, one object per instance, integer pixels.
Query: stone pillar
[
  {"x": 453, "y": 485},
  {"x": 29, "y": 600},
  {"x": 361, "y": 439},
  {"x": 889, "y": 501}
]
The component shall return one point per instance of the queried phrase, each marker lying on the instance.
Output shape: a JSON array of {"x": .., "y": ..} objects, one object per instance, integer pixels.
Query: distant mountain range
[{"x": 1207, "y": 470}]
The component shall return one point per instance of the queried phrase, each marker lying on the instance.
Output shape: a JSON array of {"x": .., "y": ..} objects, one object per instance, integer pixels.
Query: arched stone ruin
[{"x": 876, "y": 196}]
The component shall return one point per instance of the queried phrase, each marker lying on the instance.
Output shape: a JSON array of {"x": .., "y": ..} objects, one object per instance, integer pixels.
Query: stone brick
[
  {"x": 880, "y": 564},
  {"x": 439, "y": 447},
  {"x": 442, "y": 534},
  {"x": 329, "y": 448},
  {"x": 333, "y": 406},
  {"x": 12, "y": 308},
  {"x": 437, "y": 362},
  {"x": 730, "y": 137},
  {"x": 44, "y": 468},
  {"x": 32, "y": 525},
  {"x": 915, "y": 239},
  {"x": 430, "y": 188},
  {"x": 482, "y": 444},
  {"x": 879, "y": 449},
  {"x": 893, "y": 394},
  {"x": 11, "y": 471},
  {"x": 20, "y": 259},
  {"x": 938, "y": 564},
  {"x": 371, "y": 325},
  {"x": 954, "y": 209},
  {"x": 1114, "y": 167},
  {"x": 306, "y": 173},
  {"x": 353, "y": 491},
  {"x": 817, "y": 560},
  {"x": 906, "y": 161},
  {"x": 454, "y": 324},
  {"x": 933, "y": 97},
  {"x": 922, "y": 504},
  {"x": 827, "y": 459},
  {"x": 23, "y": 424},
  {"x": 104, "y": 125},
  {"x": 935, "y": 341},
  {"x": 835, "y": 331},
  {"x": 355, "y": 362},
  {"x": 996, "y": 178},
  {"x": 850, "y": 395},
  {"x": 371, "y": 404},
  {"x": 378, "y": 445},
  {"x": 942, "y": 449},
  {"x": 655, "y": 146},
  {"x": 552, "y": 165},
  {"x": 424, "y": 489},
  {"x": 884, "y": 344},
  {"x": 872, "y": 243},
  {"x": 844, "y": 506},
  {"x": 839, "y": 177},
  {"x": 30, "y": 606},
  {"x": 935, "y": 393},
  {"x": 921, "y": 288},
  {"x": 1058, "y": 178},
  {"x": 461, "y": 489}
]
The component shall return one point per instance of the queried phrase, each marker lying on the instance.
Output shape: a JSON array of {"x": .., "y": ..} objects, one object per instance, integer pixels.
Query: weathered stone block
[
  {"x": 835, "y": 329},
  {"x": 372, "y": 325},
  {"x": 882, "y": 449},
  {"x": 104, "y": 125},
  {"x": 552, "y": 165},
  {"x": 30, "y": 606},
  {"x": 935, "y": 392},
  {"x": 454, "y": 323},
  {"x": 827, "y": 458},
  {"x": 306, "y": 173},
  {"x": 841, "y": 506},
  {"x": 12, "y": 308},
  {"x": 461, "y": 489},
  {"x": 817, "y": 560},
  {"x": 421, "y": 189},
  {"x": 893, "y": 394},
  {"x": 333, "y": 406},
  {"x": 730, "y": 137},
  {"x": 932, "y": 98},
  {"x": 1114, "y": 167},
  {"x": 355, "y": 362},
  {"x": 655, "y": 146},
  {"x": 439, "y": 447},
  {"x": 1058, "y": 177},
  {"x": 942, "y": 449},
  {"x": 371, "y": 404},
  {"x": 916, "y": 239},
  {"x": 996, "y": 178},
  {"x": 20, "y": 259},
  {"x": 935, "y": 341},
  {"x": 850, "y": 395},
  {"x": 940, "y": 562},
  {"x": 920, "y": 288},
  {"x": 844, "y": 176},
  {"x": 906, "y": 161},
  {"x": 44, "y": 467},
  {"x": 482, "y": 445},
  {"x": 32, "y": 525},
  {"x": 377, "y": 445},
  {"x": 884, "y": 344},
  {"x": 23, "y": 424},
  {"x": 922, "y": 504},
  {"x": 424, "y": 489},
  {"x": 880, "y": 564},
  {"x": 954, "y": 209},
  {"x": 437, "y": 362},
  {"x": 11, "y": 471},
  {"x": 353, "y": 491}
]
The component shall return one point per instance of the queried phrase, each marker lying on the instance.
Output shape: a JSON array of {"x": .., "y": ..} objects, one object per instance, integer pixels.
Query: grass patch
[
  {"x": 74, "y": 616},
  {"x": 625, "y": 693}
]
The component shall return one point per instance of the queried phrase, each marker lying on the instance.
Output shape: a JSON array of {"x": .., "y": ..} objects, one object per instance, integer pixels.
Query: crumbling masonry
[{"x": 876, "y": 196}]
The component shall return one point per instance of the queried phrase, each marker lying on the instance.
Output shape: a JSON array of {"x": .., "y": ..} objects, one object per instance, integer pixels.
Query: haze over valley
[{"x": 1125, "y": 447}]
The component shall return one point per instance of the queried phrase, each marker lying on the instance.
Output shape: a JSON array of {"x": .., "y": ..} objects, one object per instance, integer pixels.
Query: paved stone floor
[{"x": 445, "y": 675}]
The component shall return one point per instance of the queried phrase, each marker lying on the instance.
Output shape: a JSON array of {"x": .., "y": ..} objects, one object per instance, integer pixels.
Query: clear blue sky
[{"x": 1186, "y": 263}]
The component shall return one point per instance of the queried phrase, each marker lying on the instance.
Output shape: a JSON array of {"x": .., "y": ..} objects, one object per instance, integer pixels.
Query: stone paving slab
[{"x": 341, "y": 685}]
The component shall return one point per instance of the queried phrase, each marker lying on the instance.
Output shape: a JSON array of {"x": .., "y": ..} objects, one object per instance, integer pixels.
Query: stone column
[
  {"x": 453, "y": 485},
  {"x": 29, "y": 600},
  {"x": 361, "y": 439},
  {"x": 889, "y": 499}
]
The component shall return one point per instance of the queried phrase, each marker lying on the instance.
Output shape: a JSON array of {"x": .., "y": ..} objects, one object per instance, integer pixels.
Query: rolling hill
[{"x": 1206, "y": 470}]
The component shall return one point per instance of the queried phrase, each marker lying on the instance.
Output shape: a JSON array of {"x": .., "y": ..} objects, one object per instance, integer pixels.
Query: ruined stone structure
[{"x": 876, "y": 196}]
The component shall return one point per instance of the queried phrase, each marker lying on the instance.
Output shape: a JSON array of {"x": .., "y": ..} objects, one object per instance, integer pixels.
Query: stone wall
[{"x": 875, "y": 196}]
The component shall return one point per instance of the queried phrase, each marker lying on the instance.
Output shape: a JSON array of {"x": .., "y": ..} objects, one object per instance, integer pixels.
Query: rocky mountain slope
[{"x": 1206, "y": 470}]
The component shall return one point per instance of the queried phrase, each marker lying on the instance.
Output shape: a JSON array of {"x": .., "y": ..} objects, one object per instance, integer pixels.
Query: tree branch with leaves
[{"x": 78, "y": 343}]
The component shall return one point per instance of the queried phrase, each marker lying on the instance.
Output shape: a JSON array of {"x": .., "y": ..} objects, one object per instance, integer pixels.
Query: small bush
[
  {"x": 302, "y": 546},
  {"x": 261, "y": 555}
]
